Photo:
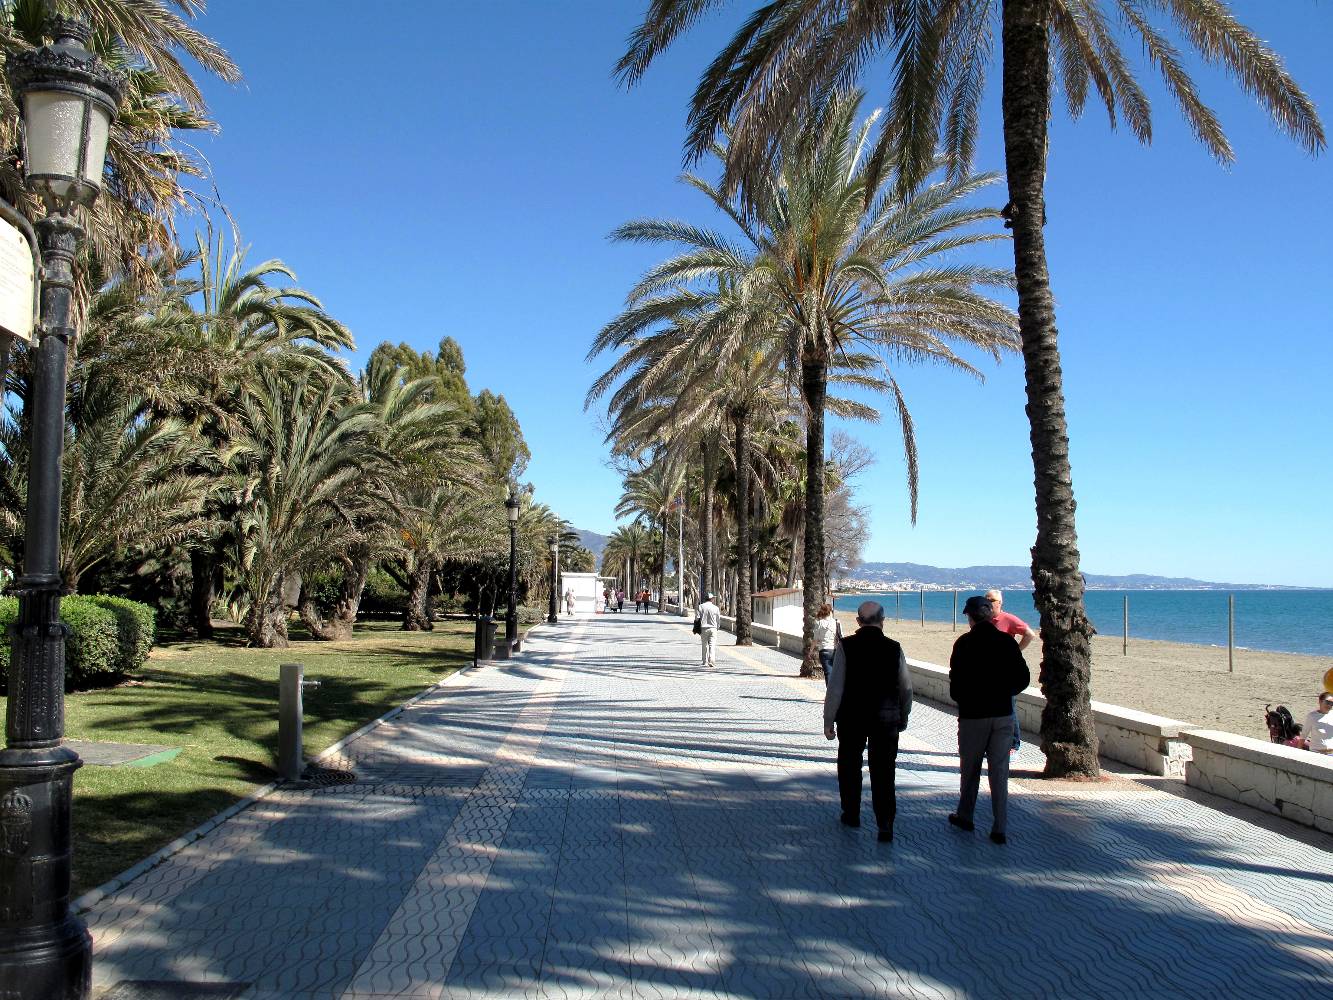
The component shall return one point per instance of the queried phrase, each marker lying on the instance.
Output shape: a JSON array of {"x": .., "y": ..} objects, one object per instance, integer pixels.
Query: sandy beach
[{"x": 1180, "y": 681}]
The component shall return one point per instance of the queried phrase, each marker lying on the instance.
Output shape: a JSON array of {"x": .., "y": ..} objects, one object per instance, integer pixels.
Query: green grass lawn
[{"x": 218, "y": 702}]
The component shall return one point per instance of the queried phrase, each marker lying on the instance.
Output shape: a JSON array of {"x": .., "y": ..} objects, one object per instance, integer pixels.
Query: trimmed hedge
[{"x": 108, "y": 636}]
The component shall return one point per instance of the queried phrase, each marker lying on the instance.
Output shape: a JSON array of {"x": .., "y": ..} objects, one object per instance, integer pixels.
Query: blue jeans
[
  {"x": 826, "y": 661},
  {"x": 1013, "y": 708}
]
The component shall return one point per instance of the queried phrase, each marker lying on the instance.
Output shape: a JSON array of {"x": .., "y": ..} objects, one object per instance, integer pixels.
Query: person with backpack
[
  {"x": 867, "y": 703},
  {"x": 986, "y": 669}
]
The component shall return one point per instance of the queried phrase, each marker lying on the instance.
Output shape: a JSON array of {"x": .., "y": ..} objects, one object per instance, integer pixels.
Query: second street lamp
[
  {"x": 511, "y": 614},
  {"x": 553, "y": 612},
  {"x": 68, "y": 100}
]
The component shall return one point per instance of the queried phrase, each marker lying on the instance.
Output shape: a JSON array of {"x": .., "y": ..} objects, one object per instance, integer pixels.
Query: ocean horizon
[{"x": 1276, "y": 621}]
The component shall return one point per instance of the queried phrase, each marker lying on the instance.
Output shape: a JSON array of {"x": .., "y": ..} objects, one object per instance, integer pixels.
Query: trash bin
[{"x": 483, "y": 647}]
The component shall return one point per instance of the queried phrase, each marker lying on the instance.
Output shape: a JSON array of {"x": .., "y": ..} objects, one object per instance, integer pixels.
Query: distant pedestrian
[
  {"x": 569, "y": 601},
  {"x": 620, "y": 601},
  {"x": 647, "y": 599},
  {"x": 1020, "y": 630},
  {"x": 826, "y": 637},
  {"x": 606, "y": 598},
  {"x": 986, "y": 670},
  {"x": 1319, "y": 726},
  {"x": 867, "y": 702},
  {"x": 710, "y": 617}
]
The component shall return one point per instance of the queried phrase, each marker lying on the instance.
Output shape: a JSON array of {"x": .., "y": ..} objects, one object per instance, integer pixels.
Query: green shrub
[
  {"x": 107, "y": 636},
  {"x": 383, "y": 595},
  {"x": 136, "y": 624}
]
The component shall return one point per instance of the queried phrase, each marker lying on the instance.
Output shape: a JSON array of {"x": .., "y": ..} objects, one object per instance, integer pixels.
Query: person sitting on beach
[
  {"x": 1020, "y": 630},
  {"x": 1319, "y": 726}
]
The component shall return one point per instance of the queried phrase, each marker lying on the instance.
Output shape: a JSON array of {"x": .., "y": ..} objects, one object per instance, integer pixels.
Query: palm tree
[
  {"x": 650, "y": 492},
  {"x": 307, "y": 445},
  {"x": 838, "y": 278},
  {"x": 143, "y": 189},
  {"x": 249, "y": 324},
  {"x": 124, "y": 485},
  {"x": 420, "y": 437},
  {"x": 791, "y": 53}
]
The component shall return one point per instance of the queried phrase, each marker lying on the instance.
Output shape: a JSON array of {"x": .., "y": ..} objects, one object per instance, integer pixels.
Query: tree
[
  {"x": 307, "y": 445},
  {"x": 143, "y": 192},
  {"x": 791, "y": 53},
  {"x": 840, "y": 279},
  {"x": 650, "y": 492}
]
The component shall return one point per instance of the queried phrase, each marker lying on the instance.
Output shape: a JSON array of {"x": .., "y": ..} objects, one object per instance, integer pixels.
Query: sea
[{"x": 1282, "y": 621}]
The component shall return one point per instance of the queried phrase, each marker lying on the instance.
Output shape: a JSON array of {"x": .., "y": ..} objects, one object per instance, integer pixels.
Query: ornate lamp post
[
  {"x": 553, "y": 612},
  {"x": 68, "y": 100},
  {"x": 511, "y": 614}
]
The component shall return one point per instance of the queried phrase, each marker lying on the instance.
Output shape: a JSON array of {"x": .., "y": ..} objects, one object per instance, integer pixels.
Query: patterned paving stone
[{"x": 598, "y": 818}]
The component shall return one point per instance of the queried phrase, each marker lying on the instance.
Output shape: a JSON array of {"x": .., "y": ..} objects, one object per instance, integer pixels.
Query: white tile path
[{"x": 599, "y": 818}]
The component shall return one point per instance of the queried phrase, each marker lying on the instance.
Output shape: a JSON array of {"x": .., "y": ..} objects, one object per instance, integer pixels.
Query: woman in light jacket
[{"x": 826, "y": 636}]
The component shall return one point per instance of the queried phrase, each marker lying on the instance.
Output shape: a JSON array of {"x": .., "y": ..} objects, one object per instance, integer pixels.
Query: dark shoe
[
  {"x": 962, "y": 824},
  {"x": 885, "y": 837},
  {"x": 998, "y": 838},
  {"x": 847, "y": 819}
]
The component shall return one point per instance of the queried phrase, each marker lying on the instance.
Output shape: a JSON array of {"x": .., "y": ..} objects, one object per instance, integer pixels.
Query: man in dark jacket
[
  {"x": 986, "y": 669},
  {"x": 868, "y": 700}
]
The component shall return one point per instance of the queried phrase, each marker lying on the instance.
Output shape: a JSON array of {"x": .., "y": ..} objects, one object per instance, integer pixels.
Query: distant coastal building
[{"x": 780, "y": 609}]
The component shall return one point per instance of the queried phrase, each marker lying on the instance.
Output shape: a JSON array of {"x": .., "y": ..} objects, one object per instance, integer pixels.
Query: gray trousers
[
  {"x": 708, "y": 644},
  {"x": 988, "y": 740}
]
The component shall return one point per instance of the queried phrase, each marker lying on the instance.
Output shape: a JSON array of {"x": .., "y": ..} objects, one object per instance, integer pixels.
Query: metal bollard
[{"x": 291, "y": 716}]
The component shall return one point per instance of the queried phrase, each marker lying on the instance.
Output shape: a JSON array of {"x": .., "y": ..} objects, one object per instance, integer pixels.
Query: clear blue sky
[{"x": 455, "y": 170}]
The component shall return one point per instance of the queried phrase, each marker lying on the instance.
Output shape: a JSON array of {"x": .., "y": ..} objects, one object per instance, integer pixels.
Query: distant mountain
[
  {"x": 912, "y": 575},
  {"x": 592, "y": 541}
]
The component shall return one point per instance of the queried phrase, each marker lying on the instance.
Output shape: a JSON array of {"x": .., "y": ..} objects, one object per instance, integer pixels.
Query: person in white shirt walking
[
  {"x": 710, "y": 617},
  {"x": 1319, "y": 726},
  {"x": 826, "y": 637}
]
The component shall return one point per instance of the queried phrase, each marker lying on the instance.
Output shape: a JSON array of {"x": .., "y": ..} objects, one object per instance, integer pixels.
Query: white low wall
[
  {"x": 1149, "y": 743},
  {"x": 1293, "y": 783}
]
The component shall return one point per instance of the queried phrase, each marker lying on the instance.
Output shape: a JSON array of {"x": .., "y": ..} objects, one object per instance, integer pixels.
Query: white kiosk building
[{"x": 781, "y": 609}]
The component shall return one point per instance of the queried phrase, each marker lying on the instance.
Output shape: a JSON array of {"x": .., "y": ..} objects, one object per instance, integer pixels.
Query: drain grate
[
  {"x": 161, "y": 989},
  {"x": 322, "y": 777}
]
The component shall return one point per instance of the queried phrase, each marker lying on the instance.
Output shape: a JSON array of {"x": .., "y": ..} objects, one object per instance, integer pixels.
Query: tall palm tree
[
  {"x": 838, "y": 277},
  {"x": 249, "y": 324},
  {"x": 146, "y": 160},
  {"x": 650, "y": 492},
  {"x": 790, "y": 53}
]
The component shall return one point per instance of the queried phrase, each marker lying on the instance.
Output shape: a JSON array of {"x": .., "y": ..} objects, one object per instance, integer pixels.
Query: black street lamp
[
  {"x": 68, "y": 100},
  {"x": 553, "y": 612},
  {"x": 511, "y": 615}
]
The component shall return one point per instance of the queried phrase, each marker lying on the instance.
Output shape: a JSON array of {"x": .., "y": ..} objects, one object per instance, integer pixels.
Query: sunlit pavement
[{"x": 600, "y": 817}]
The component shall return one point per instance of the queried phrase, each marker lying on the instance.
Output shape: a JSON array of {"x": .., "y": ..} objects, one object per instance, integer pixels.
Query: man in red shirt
[{"x": 1019, "y": 629}]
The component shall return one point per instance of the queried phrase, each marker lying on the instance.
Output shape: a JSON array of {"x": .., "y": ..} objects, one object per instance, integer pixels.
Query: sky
[{"x": 455, "y": 170}]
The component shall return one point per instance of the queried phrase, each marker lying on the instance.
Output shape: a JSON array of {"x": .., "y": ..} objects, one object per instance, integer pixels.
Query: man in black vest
[{"x": 869, "y": 698}]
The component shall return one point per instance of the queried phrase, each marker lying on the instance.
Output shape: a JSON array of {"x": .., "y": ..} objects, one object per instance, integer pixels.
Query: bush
[
  {"x": 383, "y": 595},
  {"x": 107, "y": 636},
  {"x": 137, "y": 627}
]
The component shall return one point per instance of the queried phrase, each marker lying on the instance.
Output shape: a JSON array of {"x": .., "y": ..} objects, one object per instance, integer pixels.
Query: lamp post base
[{"x": 45, "y": 951}]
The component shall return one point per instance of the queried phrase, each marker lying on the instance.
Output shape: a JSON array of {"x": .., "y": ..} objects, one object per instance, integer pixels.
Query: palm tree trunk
[
  {"x": 814, "y": 388},
  {"x": 355, "y": 573},
  {"x": 706, "y": 525},
  {"x": 417, "y": 616},
  {"x": 1068, "y": 737},
  {"x": 201, "y": 592},
  {"x": 744, "y": 582},
  {"x": 266, "y": 622},
  {"x": 661, "y": 573}
]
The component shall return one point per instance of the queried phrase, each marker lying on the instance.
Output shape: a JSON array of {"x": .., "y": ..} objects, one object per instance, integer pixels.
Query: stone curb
[{"x": 94, "y": 896}]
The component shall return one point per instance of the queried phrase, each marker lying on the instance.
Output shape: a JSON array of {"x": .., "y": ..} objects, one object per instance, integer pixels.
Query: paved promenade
[{"x": 599, "y": 818}]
